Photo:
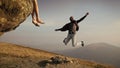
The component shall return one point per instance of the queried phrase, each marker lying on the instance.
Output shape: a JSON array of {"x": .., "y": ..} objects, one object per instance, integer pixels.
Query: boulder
[
  {"x": 60, "y": 59},
  {"x": 13, "y": 13}
]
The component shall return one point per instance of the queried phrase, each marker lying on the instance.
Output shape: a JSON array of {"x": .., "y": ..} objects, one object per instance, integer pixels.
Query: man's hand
[
  {"x": 87, "y": 13},
  {"x": 56, "y": 29}
]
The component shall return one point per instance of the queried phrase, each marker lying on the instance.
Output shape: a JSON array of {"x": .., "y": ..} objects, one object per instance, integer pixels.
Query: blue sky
[{"x": 102, "y": 25}]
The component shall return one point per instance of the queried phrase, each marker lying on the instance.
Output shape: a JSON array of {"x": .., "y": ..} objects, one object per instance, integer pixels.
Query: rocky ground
[
  {"x": 15, "y": 56},
  {"x": 13, "y": 13}
]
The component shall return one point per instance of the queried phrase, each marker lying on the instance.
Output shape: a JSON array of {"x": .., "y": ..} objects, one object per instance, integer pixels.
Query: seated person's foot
[
  {"x": 35, "y": 23},
  {"x": 40, "y": 21}
]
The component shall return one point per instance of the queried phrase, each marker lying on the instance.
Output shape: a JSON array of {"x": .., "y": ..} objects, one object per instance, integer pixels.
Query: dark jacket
[{"x": 69, "y": 26}]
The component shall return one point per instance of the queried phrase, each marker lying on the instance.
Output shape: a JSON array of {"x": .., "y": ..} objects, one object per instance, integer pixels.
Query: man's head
[{"x": 71, "y": 18}]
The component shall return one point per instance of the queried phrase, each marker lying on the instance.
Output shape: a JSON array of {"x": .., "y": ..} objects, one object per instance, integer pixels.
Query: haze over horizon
[{"x": 102, "y": 25}]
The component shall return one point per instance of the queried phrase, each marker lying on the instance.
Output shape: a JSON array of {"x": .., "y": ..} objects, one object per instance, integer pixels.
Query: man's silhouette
[{"x": 71, "y": 27}]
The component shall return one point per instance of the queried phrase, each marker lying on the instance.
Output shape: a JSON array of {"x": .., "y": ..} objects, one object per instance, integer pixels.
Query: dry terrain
[{"x": 16, "y": 56}]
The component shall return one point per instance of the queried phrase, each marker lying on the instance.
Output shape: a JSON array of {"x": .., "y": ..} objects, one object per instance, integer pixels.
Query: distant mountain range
[{"x": 98, "y": 52}]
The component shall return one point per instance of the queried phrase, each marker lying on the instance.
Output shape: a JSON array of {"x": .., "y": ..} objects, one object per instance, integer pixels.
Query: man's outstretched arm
[
  {"x": 64, "y": 28},
  {"x": 83, "y": 17},
  {"x": 58, "y": 29}
]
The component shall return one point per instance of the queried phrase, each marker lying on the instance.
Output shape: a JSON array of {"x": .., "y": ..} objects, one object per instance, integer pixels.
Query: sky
[{"x": 102, "y": 24}]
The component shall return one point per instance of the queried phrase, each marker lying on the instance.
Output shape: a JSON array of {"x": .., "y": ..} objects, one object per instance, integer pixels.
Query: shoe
[
  {"x": 64, "y": 41},
  {"x": 73, "y": 45},
  {"x": 82, "y": 43}
]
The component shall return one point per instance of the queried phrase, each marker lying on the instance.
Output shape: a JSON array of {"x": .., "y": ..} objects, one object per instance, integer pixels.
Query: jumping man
[{"x": 71, "y": 27}]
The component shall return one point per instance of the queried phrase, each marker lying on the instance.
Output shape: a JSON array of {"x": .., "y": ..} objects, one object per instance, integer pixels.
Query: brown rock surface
[{"x": 13, "y": 13}]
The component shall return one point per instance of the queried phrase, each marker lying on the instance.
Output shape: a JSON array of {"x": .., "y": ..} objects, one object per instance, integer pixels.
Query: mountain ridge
[{"x": 98, "y": 52}]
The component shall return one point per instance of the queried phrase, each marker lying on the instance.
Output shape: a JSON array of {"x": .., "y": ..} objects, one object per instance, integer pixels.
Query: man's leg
[
  {"x": 73, "y": 40},
  {"x": 66, "y": 40},
  {"x": 74, "y": 43}
]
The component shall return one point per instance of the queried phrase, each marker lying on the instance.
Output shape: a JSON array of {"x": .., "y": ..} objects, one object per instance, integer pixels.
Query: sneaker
[
  {"x": 64, "y": 41},
  {"x": 73, "y": 45},
  {"x": 82, "y": 43}
]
